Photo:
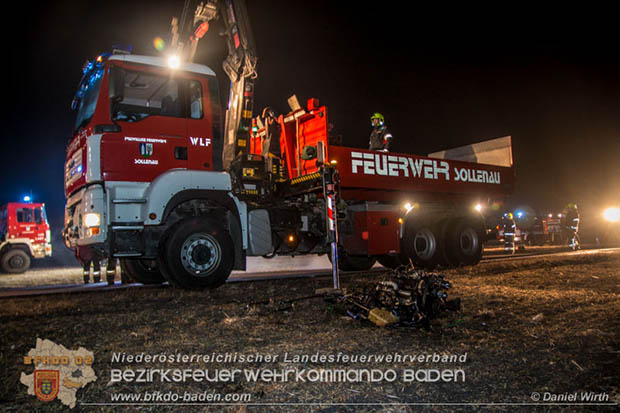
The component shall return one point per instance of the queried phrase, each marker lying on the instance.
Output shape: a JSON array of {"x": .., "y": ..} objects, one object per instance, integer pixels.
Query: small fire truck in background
[
  {"x": 158, "y": 176},
  {"x": 552, "y": 227},
  {"x": 24, "y": 235}
]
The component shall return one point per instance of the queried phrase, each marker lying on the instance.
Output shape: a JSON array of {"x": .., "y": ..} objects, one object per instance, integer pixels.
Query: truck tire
[
  {"x": 142, "y": 271},
  {"x": 198, "y": 253},
  {"x": 464, "y": 242},
  {"x": 15, "y": 261},
  {"x": 424, "y": 244}
]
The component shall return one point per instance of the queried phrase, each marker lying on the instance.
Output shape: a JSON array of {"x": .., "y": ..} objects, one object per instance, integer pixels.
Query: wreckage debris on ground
[{"x": 407, "y": 297}]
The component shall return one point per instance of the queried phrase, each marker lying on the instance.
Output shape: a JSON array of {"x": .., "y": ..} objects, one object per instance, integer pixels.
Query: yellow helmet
[{"x": 378, "y": 116}]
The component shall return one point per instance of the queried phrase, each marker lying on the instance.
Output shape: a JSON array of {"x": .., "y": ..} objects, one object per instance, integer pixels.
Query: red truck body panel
[
  {"x": 374, "y": 233},
  {"x": 378, "y": 176}
]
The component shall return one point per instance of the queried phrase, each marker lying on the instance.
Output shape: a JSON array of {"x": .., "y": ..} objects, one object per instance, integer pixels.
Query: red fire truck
[
  {"x": 24, "y": 234},
  {"x": 155, "y": 175}
]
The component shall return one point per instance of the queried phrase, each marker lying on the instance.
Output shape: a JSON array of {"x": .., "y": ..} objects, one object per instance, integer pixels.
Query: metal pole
[{"x": 329, "y": 188}]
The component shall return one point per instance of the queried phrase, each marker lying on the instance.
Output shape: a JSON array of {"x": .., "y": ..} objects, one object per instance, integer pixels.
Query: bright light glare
[
  {"x": 174, "y": 62},
  {"x": 612, "y": 214},
  {"x": 478, "y": 207},
  {"x": 92, "y": 219},
  {"x": 408, "y": 207},
  {"x": 27, "y": 198}
]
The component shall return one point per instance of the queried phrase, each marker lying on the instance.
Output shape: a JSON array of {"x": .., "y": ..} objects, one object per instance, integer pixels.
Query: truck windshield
[
  {"x": 87, "y": 95},
  {"x": 146, "y": 94}
]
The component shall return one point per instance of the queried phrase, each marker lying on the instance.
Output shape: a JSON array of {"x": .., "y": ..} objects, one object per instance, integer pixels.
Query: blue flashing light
[
  {"x": 519, "y": 214},
  {"x": 79, "y": 168},
  {"x": 27, "y": 198},
  {"x": 88, "y": 66}
]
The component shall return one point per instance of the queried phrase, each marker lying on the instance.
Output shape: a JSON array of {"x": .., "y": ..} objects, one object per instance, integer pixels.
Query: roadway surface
[{"x": 50, "y": 281}]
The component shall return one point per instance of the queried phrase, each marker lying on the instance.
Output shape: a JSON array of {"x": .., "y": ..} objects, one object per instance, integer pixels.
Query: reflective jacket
[{"x": 380, "y": 138}]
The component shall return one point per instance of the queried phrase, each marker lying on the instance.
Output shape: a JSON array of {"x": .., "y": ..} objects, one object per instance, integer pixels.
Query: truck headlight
[{"x": 92, "y": 219}]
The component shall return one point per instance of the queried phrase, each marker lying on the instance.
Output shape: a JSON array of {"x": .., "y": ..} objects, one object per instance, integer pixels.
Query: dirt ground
[{"x": 539, "y": 326}]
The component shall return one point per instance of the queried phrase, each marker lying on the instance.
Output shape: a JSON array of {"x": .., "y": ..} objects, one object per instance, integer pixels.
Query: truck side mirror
[{"x": 116, "y": 86}]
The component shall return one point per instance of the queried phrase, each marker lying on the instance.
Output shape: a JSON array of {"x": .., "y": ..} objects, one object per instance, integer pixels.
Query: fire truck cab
[
  {"x": 147, "y": 142},
  {"x": 24, "y": 235}
]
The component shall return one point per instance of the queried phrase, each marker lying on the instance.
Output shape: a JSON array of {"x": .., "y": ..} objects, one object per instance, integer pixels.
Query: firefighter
[
  {"x": 380, "y": 137},
  {"x": 509, "y": 226},
  {"x": 570, "y": 217},
  {"x": 271, "y": 145}
]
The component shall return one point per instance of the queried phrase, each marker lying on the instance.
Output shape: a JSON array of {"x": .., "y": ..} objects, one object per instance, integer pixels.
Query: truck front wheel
[
  {"x": 15, "y": 261},
  {"x": 198, "y": 253},
  {"x": 142, "y": 271}
]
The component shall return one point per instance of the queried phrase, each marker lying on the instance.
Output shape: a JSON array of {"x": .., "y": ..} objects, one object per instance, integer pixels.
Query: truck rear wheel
[
  {"x": 424, "y": 244},
  {"x": 464, "y": 243},
  {"x": 142, "y": 271},
  {"x": 198, "y": 253},
  {"x": 15, "y": 261}
]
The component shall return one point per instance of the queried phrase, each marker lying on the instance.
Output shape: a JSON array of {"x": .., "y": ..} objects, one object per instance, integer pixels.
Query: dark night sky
[{"x": 442, "y": 77}]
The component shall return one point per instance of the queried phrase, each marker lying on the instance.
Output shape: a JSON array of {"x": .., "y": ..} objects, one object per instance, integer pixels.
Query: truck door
[
  {"x": 40, "y": 224},
  {"x": 25, "y": 225},
  {"x": 153, "y": 136},
  {"x": 204, "y": 124}
]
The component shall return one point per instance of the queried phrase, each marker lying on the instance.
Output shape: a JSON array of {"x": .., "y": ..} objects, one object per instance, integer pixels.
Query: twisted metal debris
[{"x": 407, "y": 297}]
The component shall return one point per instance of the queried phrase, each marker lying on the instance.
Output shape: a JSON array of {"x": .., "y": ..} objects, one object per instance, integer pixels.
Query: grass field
[{"x": 540, "y": 325}]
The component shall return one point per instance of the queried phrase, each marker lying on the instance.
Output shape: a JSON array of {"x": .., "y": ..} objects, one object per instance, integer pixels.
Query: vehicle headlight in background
[
  {"x": 612, "y": 214},
  {"x": 174, "y": 62}
]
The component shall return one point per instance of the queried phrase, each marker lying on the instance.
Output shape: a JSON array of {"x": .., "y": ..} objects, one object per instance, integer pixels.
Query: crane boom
[{"x": 239, "y": 65}]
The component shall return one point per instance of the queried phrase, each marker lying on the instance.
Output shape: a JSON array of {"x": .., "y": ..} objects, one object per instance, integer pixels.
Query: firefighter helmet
[
  {"x": 508, "y": 215},
  {"x": 572, "y": 205},
  {"x": 378, "y": 116}
]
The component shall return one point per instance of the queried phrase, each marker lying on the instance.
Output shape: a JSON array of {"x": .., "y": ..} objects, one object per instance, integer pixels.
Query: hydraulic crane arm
[{"x": 239, "y": 65}]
